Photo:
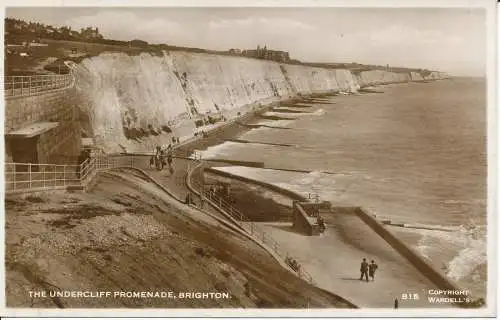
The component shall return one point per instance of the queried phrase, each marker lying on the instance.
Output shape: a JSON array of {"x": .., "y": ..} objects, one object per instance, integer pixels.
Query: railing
[
  {"x": 249, "y": 226},
  {"x": 31, "y": 176},
  {"x": 28, "y": 176},
  {"x": 27, "y": 85}
]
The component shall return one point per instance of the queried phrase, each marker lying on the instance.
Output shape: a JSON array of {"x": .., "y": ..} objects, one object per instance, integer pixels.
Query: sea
[{"x": 414, "y": 153}]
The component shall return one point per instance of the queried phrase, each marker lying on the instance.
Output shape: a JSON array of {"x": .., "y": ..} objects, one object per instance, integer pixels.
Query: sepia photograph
[{"x": 249, "y": 160}]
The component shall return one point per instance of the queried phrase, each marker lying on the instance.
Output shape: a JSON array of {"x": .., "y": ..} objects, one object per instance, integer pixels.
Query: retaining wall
[
  {"x": 301, "y": 222},
  {"x": 441, "y": 281},
  {"x": 51, "y": 106},
  {"x": 58, "y": 145}
]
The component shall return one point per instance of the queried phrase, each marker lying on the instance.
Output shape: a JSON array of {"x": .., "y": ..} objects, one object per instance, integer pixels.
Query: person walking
[
  {"x": 188, "y": 199},
  {"x": 162, "y": 157},
  {"x": 371, "y": 270},
  {"x": 364, "y": 269},
  {"x": 170, "y": 159},
  {"x": 202, "y": 199}
]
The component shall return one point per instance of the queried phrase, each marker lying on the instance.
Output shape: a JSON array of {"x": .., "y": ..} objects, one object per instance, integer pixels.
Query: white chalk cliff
[{"x": 145, "y": 91}]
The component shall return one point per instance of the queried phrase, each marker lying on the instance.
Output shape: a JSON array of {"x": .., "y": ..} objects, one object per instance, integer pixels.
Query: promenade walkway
[{"x": 333, "y": 258}]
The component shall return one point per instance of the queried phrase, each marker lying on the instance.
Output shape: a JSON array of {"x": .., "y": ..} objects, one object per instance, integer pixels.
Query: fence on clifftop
[{"x": 19, "y": 86}]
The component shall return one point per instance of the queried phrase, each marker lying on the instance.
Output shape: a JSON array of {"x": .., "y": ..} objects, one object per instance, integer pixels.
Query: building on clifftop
[
  {"x": 264, "y": 53},
  {"x": 90, "y": 33}
]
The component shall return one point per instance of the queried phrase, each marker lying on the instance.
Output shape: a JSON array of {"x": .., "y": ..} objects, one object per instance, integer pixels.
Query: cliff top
[{"x": 32, "y": 48}]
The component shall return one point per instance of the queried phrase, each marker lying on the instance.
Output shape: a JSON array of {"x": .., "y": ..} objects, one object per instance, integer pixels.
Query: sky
[{"x": 452, "y": 40}]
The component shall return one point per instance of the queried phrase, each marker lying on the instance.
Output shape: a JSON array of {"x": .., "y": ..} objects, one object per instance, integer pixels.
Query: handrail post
[
  {"x": 15, "y": 174},
  {"x": 64, "y": 175},
  {"x": 30, "y": 173}
]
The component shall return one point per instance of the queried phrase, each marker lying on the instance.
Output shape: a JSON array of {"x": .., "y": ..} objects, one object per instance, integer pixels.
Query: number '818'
[{"x": 409, "y": 296}]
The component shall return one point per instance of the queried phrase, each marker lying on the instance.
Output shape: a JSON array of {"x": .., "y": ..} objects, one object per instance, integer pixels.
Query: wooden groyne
[{"x": 258, "y": 142}]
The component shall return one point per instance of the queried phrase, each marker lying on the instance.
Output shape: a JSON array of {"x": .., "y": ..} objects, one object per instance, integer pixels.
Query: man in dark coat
[
  {"x": 371, "y": 270},
  {"x": 364, "y": 270}
]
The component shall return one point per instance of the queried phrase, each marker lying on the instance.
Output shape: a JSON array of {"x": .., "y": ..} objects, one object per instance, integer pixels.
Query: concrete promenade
[{"x": 333, "y": 258}]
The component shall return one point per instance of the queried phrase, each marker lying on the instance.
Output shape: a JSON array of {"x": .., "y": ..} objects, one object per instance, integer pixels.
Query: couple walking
[{"x": 368, "y": 269}]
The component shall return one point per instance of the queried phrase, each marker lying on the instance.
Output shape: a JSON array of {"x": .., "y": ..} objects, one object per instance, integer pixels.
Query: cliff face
[
  {"x": 122, "y": 93},
  {"x": 415, "y": 76},
  {"x": 375, "y": 77}
]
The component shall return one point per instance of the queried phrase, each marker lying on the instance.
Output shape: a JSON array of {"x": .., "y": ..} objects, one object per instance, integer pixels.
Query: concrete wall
[
  {"x": 301, "y": 222},
  {"x": 58, "y": 145},
  {"x": 61, "y": 144},
  {"x": 52, "y": 106},
  {"x": 287, "y": 193},
  {"x": 441, "y": 281}
]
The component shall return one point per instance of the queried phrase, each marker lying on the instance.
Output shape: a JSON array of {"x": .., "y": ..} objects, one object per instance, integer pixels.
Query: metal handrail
[
  {"x": 28, "y": 85},
  {"x": 249, "y": 225}
]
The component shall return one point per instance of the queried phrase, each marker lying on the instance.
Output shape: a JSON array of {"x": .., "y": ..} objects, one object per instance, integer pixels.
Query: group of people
[
  {"x": 202, "y": 133},
  {"x": 163, "y": 155},
  {"x": 292, "y": 263},
  {"x": 175, "y": 140},
  {"x": 368, "y": 269}
]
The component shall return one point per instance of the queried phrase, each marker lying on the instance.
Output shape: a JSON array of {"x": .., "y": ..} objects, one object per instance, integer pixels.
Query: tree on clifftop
[{"x": 138, "y": 43}]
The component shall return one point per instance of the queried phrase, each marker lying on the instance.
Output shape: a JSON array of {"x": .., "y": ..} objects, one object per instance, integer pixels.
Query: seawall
[
  {"x": 441, "y": 281},
  {"x": 131, "y": 98}
]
